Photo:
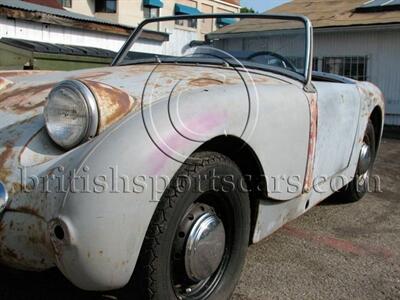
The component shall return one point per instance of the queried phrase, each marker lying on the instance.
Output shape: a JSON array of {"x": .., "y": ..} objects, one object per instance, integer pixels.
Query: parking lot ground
[{"x": 335, "y": 251}]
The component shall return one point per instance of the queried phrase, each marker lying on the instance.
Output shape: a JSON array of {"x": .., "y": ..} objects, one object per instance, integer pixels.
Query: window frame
[
  {"x": 344, "y": 66},
  {"x": 191, "y": 23},
  {"x": 63, "y": 3},
  {"x": 149, "y": 9},
  {"x": 105, "y": 11}
]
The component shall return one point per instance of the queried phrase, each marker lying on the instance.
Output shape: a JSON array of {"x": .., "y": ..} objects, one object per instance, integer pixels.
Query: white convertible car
[{"x": 207, "y": 134}]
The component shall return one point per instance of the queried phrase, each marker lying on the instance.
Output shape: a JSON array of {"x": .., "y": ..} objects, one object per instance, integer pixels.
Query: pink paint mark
[
  {"x": 200, "y": 127},
  {"x": 338, "y": 244},
  {"x": 176, "y": 142},
  {"x": 159, "y": 159}
]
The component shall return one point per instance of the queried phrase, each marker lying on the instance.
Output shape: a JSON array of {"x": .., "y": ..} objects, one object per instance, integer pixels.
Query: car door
[
  {"x": 338, "y": 115},
  {"x": 281, "y": 138}
]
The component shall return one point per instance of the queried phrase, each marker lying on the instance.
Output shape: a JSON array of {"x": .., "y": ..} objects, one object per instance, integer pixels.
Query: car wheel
[
  {"x": 359, "y": 186},
  {"x": 197, "y": 241}
]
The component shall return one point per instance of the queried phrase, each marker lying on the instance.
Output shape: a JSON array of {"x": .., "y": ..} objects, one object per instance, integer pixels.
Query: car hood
[
  {"x": 23, "y": 93},
  {"x": 118, "y": 90}
]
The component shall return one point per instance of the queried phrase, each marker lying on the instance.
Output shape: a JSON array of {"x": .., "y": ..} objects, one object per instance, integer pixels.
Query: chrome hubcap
[
  {"x": 363, "y": 179},
  {"x": 205, "y": 247},
  {"x": 199, "y": 251},
  {"x": 364, "y": 162}
]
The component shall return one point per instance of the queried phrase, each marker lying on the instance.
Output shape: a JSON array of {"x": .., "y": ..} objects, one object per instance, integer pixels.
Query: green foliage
[{"x": 246, "y": 10}]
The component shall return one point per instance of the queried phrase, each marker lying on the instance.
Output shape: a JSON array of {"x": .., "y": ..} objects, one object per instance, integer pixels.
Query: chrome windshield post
[{"x": 308, "y": 69}]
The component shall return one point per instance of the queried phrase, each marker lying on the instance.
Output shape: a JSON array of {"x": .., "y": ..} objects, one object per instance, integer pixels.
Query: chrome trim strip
[{"x": 309, "y": 53}]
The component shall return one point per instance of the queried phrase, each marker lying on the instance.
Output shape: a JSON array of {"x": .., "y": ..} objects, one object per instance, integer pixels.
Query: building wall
[
  {"x": 20, "y": 29},
  {"x": 36, "y": 31},
  {"x": 57, "y": 34},
  {"x": 382, "y": 46},
  {"x": 130, "y": 12},
  {"x": 85, "y": 7}
]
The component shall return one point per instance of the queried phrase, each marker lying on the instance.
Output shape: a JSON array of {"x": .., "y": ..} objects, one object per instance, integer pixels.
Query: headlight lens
[{"x": 71, "y": 114}]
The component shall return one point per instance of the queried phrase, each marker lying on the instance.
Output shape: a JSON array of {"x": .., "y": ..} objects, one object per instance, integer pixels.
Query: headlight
[{"x": 71, "y": 114}]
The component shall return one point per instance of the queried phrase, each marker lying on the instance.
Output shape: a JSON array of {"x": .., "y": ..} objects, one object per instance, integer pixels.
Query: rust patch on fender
[
  {"x": 372, "y": 96},
  {"x": 5, "y": 83},
  {"x": 4, "y": 157},
  {"x": 21, "y": 73},
  {"x": 26, "y": 210},
  {"x": 92, "y": 75},
  {"x": 13, "y": 73},
  {"x": 312, "y": 145},
  {"x": 33, "y": 251},
  {"x": 113, "y": 103},
  {"x": 204, "y": 82},
  {"x": 24, "y": 99}
]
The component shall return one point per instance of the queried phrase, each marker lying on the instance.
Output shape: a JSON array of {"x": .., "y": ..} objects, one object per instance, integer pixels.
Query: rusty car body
[{"x": 152, "y": 116}]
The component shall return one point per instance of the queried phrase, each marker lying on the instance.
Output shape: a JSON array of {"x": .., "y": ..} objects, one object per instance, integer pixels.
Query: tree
[{"x": 247, "y": 10}]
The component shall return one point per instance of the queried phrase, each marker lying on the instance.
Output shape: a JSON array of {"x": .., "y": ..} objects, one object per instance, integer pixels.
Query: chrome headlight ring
[{"x": 71, "y": 114}]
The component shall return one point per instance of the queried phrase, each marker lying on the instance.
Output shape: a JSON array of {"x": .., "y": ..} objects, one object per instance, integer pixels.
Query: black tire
[
  {"x": 158, "y": 270},
  {"x": 353, "y": 191}
]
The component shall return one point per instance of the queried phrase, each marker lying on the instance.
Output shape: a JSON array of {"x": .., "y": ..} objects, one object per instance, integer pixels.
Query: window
[
  {"x": 181, "y": 9},
  {"x": 354, "y": 66},
  {"x": 192, "y": 23},
  {"x": 65, "y": 3},
  {"x": 106, "y": 6},
  {"x": 151, "y": 12}
]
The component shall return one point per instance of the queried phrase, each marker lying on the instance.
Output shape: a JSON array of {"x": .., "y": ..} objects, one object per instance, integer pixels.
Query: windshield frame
[{"x": 134, "y": 36}]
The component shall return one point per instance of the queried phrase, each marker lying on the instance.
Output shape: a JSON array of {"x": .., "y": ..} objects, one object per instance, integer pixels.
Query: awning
[
  {"x": 153, "y": 3},
  {"x": 226, "y": 21},
  {"x": 181, "y": 9}
]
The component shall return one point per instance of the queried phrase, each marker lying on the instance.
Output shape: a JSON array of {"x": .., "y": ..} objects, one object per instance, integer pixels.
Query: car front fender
[{"x": 104, "y": 222}]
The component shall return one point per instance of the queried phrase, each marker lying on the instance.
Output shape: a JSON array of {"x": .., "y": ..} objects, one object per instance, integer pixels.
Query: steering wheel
[{"x": 285, "y": 62}]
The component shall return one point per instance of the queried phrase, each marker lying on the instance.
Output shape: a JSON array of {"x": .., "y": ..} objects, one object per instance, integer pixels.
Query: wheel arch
[
  {"x": 249, "y": 164},
  {"x": 376, "y": 118}
]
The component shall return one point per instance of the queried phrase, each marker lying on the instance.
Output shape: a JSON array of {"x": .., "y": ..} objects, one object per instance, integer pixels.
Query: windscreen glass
[{"x": 257, "y": 42}]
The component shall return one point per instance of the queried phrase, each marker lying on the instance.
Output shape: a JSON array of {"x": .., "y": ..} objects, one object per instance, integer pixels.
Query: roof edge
[
  {"x": 37, "y": 8},
  {"x": 41, "y": 17},
  {"x": 359, "y": 26}
]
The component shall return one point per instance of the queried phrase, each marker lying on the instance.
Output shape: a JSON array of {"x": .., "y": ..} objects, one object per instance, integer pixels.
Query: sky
[{"x": 262, "y": 5}]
